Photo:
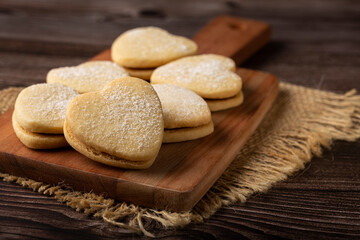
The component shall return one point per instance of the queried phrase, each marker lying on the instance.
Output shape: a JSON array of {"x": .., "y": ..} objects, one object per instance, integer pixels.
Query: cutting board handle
[{"x": 233, "y": 37}]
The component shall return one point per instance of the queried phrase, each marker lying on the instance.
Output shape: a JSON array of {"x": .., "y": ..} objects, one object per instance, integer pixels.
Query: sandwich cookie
[
  {"x": 226, "y": 103},
  {"x": 38, "y": 140},
  {"x": 87, "y": 77},
  {"x": 210, "y": 76},
  {"x": 39, "y": 115},
  {"x": 121, "y": 125},
  {"x": 150, "y": 47},
  {"x": 186, "y": 114},
  {"x": 143, "y": 73}
]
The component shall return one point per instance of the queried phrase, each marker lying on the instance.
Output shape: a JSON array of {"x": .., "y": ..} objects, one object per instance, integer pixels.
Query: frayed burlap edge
[{"x": 300, "y": 123}]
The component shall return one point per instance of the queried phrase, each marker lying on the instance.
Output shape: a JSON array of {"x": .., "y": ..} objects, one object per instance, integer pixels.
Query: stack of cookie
[
  {"x": 186, "y": 114},
  {"x": 211, "y": 76},
  {"x": 141, "y": 50},
  {"x": 121, "y": 125},
  {"x": 39, "y": 115}
]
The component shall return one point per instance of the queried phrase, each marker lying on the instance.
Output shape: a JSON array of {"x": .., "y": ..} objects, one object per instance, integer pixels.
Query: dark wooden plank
[
  {"x": 95, "y": 26},
  {"x": 337, "y": 9},
  {"x": 21, "y": 69}
]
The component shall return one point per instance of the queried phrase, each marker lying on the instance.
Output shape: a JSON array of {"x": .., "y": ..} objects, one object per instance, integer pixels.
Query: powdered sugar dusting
[
  {"x": 210, "y": 72},
  {"x": 121, "y": 119},
  {"x": 182, "y": 107},
  {"x": 150, "y": 41},
  {"x": 46, "y": 102},
  {"x": 87, "y": 77}
]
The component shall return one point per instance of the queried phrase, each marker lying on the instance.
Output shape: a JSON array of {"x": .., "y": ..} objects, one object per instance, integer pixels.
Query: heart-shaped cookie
[
  {"x": 121, "y": 125},
  {"x": 209, "y": 75},
  {"x": 149, "y": 47},
  {"x": 182, "y": 107},
  {"x": 87, "y": 77},
  {"x": 41, "y": 108},
  {"x": 186, "y": 114}
]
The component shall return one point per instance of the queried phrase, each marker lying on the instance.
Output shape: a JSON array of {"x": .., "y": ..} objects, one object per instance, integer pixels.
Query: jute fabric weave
[{"x": 300, "y": 124}]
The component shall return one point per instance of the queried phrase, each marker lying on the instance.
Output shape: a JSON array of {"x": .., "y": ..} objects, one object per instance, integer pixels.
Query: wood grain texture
[
  {"x": 235, "y": 37},
  {"x": 315, "y": 43}
]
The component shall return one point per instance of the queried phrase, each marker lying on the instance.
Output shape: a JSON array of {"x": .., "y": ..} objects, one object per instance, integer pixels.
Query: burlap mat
[{"x": 300, "y": 123}]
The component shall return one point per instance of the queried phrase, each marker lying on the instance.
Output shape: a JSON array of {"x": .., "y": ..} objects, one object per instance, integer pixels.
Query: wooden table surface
[{"x": 315, "y": 43}]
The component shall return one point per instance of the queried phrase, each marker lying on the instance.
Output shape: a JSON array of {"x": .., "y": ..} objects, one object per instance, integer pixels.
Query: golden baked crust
[
  {"x": 123, "y": 121},
  {"x": 182, "y": 107},
  {"x": 87, "y": 77},
  {"x": 38, "y": 140},
  {"x": 186, "y": 134},
  {"x": 103, "y": 157},
  {"x": 41, "y": 107},
  {"x": 143, "y": 73},
  {"x": 209, "y": 75},
  {"x": 222, "y": 104},
  {"x": 149, "y": 47}
]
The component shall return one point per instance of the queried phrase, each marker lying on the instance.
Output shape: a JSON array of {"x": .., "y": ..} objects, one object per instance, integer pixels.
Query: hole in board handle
[{"x": 236, "y": 26}]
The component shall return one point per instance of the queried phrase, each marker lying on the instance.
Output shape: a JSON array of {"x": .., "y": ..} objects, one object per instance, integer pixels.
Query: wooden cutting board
[{"x": 182, "y": 172}]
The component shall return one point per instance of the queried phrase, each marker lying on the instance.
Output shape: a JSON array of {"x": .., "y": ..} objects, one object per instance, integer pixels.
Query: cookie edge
[
  {"x": 187, "y": 134},
  {"x": 224, "y": 104},
  {"x": 38, "y": 140},
  {"x": 101, "y": 157}
]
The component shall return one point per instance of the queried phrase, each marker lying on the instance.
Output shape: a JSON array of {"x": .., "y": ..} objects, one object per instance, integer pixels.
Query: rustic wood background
[{"x": 315, "y": 43}]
